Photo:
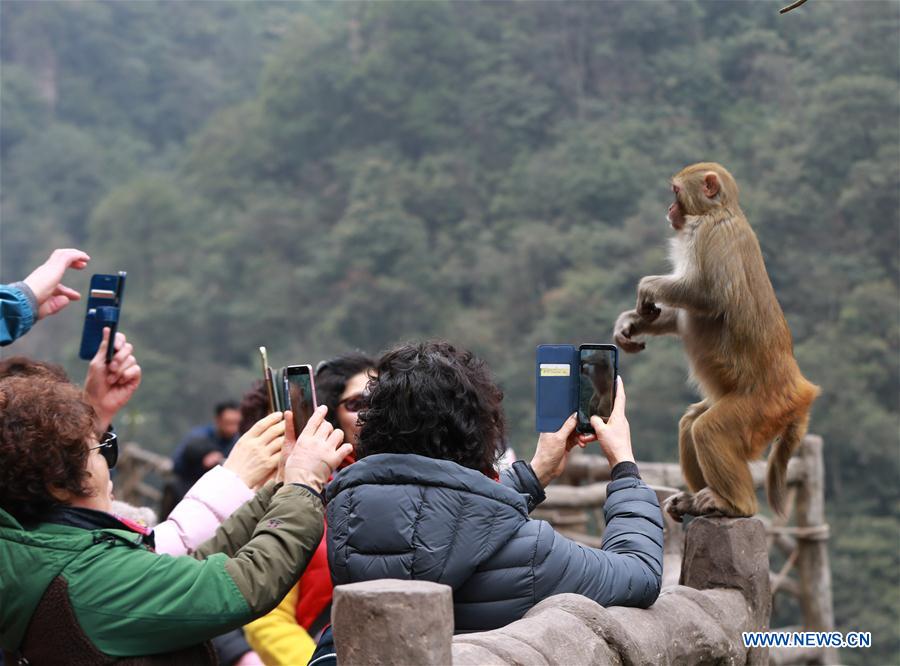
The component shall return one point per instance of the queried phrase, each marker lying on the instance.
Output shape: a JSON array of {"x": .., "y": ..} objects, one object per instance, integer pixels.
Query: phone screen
[
  {"x": 299, "y": 394},
  {"x": 596, "y": 383}
]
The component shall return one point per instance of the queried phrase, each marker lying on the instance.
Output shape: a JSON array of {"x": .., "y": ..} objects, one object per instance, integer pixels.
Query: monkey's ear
[{"x": 710, "y": 184}]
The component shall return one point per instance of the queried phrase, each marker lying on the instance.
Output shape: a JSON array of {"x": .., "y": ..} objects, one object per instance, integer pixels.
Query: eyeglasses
[
  {"x": 109, "y": 448},
  {"x": 355, "y": 403}
]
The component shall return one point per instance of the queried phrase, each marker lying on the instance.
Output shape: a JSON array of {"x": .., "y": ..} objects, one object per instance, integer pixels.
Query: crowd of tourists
[{"x": 399, "y": 473}]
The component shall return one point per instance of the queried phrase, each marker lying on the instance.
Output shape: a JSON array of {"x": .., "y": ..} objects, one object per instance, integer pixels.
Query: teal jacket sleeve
[{"x": 18, "y": 308}]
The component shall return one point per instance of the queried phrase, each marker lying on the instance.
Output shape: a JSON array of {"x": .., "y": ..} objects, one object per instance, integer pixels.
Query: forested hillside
[{"x": 321, "y": 177}]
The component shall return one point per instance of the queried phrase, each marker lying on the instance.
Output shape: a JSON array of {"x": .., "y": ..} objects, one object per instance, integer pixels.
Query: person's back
[
  {"x": 451, "y": 525},
  {"x": 438, "y": 516}
]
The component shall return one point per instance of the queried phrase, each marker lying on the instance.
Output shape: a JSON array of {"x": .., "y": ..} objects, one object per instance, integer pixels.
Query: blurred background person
[{"x": 203, "y": 448}]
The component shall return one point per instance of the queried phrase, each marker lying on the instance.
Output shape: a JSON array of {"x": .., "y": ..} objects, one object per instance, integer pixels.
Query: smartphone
[
  {"x": 104, "y": 306},
  {"x": 267, "y": 378},
  {"x": 598, "y": 367},
  {"x": 299, "y": 394}
]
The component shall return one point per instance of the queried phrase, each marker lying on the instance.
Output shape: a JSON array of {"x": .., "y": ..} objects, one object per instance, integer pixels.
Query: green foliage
[{"x": 322, "y": 176}]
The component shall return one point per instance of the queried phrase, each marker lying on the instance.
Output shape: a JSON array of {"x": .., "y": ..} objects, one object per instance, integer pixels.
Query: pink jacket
[{"x": 195, "y": 519}]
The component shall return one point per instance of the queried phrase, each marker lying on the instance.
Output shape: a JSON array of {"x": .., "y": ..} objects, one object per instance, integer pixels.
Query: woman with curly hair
[
  {"x": 422, "y": 502},
  {"x": 74, "y": 572}
]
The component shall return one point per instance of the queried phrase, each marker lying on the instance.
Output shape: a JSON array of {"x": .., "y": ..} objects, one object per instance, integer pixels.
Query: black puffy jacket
[{"x": 411, "y": 517}]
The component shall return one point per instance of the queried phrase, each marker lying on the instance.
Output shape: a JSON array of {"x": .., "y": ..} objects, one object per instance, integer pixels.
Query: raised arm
[
  {"x": 715, "y": 265},
  {"x": 236, "y": 530},
  {"x": 631, "y": 325},
  {"x": 626, "y": 570},
  {"x": 140, "y": 598},
  {"x": 18, "y": 311}
]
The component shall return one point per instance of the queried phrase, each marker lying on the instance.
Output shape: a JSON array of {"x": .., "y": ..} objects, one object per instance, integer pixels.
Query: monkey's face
[
  {"x": 675, "y": 215},
  {"x": 699, "y": 189}
]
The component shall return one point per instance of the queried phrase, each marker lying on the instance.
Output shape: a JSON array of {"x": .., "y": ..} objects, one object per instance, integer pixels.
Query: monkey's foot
[
  {"x": 679, "y": 505},
  {"x": 706, "y": 502}
]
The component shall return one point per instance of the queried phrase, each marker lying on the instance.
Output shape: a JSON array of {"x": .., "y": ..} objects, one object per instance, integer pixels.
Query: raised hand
[
  {"x": 648, "y": 297},
  {"x": 319, "y": 451},
  {"x": 255, "y": 456},
  {"x": 109, "y": 387},
  {"x": 46, "y": 281},
  {"x": 553, "y": 448},
  {"x": 290, "y": 441},
  {"x": 615, "y": 435},
  {"x": 628, "y": 325}
]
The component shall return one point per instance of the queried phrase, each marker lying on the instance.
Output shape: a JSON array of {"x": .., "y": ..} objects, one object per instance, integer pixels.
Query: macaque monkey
[{"x": 720, "y": 301}]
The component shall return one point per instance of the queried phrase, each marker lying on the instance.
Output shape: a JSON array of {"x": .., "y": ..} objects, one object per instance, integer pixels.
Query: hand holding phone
[
  {"x": 614, "y": 434},
  {"x": 268, "y": 379},
  {"x": 104, "y": 308},
  {"x": 319, "y": 451},
  {"x": 109, "y": 386},
  {"x": 299, "y": 391},
  {"x": 571, "y": 379}
]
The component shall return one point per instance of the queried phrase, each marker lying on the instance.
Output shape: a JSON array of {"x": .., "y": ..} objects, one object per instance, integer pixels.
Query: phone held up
[
  {"x": 598, "y": 366},
  {"x": 104, "y": 306},
  {"x": 268, "y": 379},
  {"x": 299, "y": 393},
  {"x": 290, "y": 388},
  {"x": 570, "y": 379}
]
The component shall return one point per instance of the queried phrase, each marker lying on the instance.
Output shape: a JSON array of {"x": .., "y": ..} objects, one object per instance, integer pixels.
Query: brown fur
[{"x": 720, "y": 301}]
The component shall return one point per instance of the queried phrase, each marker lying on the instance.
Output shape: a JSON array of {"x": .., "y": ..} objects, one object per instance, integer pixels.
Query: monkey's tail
[
  {"x": 782, "y": 450},
  {"x": 776, "y": 471}
]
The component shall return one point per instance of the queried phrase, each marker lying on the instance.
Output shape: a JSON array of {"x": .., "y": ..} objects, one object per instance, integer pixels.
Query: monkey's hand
[
  {"x": 628, "y": 325},
  {"x": 648, "y": 295}
]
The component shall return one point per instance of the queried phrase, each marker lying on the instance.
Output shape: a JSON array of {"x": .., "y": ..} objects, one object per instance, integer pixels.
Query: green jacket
[{"x": 131, "y": 601}]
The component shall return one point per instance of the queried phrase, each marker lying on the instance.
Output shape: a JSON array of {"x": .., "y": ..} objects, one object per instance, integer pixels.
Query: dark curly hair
[
  {"x": 21, "y": 366},
  {"x": 44, "y": 426},
  {"x": 332, "y": 377},
  {"x": 434, "y": 400}
]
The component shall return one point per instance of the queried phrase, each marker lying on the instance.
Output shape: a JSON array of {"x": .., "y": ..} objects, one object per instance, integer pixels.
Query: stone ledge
[{"x": 724, "y": 592}]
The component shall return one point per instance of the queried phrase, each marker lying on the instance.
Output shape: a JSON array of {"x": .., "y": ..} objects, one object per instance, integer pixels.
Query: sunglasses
[
  {"x": 355, "y": 403},
  {"x": 109, "y": 448}
]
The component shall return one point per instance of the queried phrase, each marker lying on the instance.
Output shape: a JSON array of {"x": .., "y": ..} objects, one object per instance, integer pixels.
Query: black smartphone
[
  {"x": 299, "y": 394},
  {"x": 104, "y": 308},
  {"x": 598, "y": 367},
  {"x": 267, "y": 378}
]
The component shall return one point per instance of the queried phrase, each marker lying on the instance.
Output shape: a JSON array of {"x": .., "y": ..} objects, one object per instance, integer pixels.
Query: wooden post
[
  {"x": 388, "y": 621},
  {"x": 812, "y": 544}
]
